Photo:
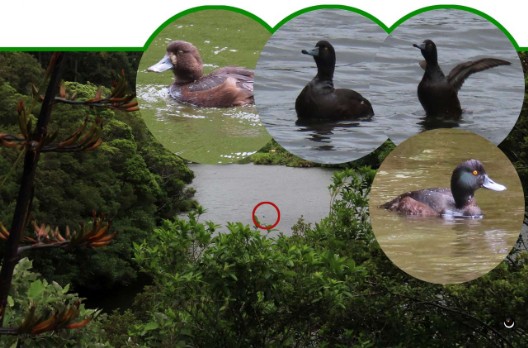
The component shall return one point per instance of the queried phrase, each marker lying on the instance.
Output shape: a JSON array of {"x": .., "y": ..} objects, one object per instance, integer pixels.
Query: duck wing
[
  {"x": 459, "y": 73},
  {"x": 222, "y": 88},
  {"x": 351, "y": 104},
  {"x": 243, "y": 76},
  {"x": 206, "y": 83},
  {"x": 242, "y": 73},
  {"x": 420, "y": 201}
]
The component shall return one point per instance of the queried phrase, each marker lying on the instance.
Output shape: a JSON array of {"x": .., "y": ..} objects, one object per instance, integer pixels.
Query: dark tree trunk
[{"x": 25, "y": 194}]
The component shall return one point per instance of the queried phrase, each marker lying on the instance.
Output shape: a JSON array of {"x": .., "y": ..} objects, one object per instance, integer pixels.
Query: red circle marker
[{"x": 257, "y": 224}]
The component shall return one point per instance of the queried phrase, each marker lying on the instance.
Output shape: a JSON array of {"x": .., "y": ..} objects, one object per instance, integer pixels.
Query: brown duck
[{"x": 224, "y": 87}]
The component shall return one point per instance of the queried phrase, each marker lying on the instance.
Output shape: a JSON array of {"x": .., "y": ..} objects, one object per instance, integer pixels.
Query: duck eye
[{"x": 475, "y": 172}]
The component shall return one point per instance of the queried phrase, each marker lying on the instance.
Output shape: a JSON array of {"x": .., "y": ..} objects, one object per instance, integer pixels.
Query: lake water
[
  {"x": 435, "y": 249},
  {"x": 204, "y": 135},
  {"x": 230, "y": 192},
  {"x": 387, "y": 73}
]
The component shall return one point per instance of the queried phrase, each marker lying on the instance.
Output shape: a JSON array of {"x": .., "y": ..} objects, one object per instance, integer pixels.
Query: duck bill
[
  {"x": 421, "y": 47},
  {"x": 492, "y": 185},
  {"x": 163, "y": 65},
  {"x": 313, "y": 52}
]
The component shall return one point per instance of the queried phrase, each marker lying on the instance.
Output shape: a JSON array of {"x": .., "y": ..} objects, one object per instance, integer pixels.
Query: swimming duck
[
  {"x": 224, "y": 87},
  {"x": 320, "y": 101},
  {"x": 438, "y": 93},
  {"x": 459, "y": 201}
]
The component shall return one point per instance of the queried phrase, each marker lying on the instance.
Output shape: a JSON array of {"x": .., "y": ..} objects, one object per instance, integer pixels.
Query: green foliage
[
  {"x": 28, "y": 289},
  {"x": 130, "y": 178},
  {"x": 20, "y": 70},
  {"x": 10, "y": 98},
  {"x": 515, "y": 146},
  {"x": 327, "y": 285},
  {"x": 274, "y": 154},
  {"x": 239, "y": 288},
  {"x": 99, "y": 68},
  {"x": 347, "y": 229},
  {"x": 8, "y": 157}
]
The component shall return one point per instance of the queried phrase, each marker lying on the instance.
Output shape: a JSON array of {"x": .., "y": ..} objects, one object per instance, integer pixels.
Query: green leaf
[
  {"x": 151, "y": 325},
  {"x": 35, "y": 289}
]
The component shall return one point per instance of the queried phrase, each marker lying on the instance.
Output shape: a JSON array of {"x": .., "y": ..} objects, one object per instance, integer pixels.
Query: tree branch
[
  {"x": 8, "y": 331},
  {"x": 24, "y": 248}
]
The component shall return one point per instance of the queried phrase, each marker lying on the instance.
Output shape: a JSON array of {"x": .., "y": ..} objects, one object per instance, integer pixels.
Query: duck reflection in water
[{"x": 321, "y": 132}]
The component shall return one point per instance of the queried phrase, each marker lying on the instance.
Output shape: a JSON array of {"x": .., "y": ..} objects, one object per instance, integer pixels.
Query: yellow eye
[{"x": 475, "y": 172}]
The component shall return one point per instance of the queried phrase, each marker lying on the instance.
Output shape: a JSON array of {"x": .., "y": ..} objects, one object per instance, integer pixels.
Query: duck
[
  {"x": 224, "y": 87},
  {"x": 455, "y": 202},
  {"x": 437, "y": 93},
  {"x": 320, "y": 101}
]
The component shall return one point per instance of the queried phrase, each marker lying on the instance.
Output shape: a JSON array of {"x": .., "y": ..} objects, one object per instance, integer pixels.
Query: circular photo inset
[
  {"x": 446, "y": 206},
  {"x": 312, "y": 86},
  {"x": 195, "y": 86},
  {"x": 447, "y": 68}
]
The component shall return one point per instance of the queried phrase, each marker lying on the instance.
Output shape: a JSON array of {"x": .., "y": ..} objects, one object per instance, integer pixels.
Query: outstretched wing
[{"x": 458, "y": 75}]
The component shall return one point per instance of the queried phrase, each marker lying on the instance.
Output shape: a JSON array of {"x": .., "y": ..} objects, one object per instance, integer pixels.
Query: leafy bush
[
  {"x": 326, "y": 285},
  {"x": 30, "y": 291},
  {"x": 239, "y": 288}
]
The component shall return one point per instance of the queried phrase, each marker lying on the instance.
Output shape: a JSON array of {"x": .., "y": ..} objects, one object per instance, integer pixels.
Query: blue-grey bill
[
  {"x": 163, "y": 65},
  {"x": 492, "y": 185}
]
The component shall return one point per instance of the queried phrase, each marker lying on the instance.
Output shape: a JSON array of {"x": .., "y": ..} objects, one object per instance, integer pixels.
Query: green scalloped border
[{"x": 275, "y": 28}]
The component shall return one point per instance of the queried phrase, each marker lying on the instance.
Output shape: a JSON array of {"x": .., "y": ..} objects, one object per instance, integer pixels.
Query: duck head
[
  {"x": 428, "y": 49},
  {"x": 184, "y": 60},
  {"x": 325, "y": 58},
  {"x": 467, "y": 178}
]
